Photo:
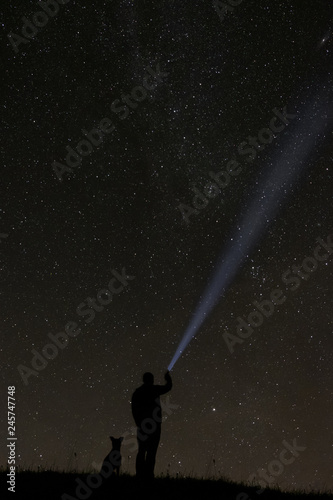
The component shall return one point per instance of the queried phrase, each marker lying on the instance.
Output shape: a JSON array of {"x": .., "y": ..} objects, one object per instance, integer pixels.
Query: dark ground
[{"x": 51, "y": 485}]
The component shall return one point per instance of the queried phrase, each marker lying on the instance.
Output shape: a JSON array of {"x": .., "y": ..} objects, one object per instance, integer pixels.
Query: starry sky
[{"x": 61, "y": 239}]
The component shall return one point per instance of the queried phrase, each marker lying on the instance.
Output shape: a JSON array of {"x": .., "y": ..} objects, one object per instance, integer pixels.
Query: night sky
[{"x": 65, "y": 232}]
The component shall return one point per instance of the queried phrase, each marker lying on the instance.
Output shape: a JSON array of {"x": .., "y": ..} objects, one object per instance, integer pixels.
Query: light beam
[{"x": 269, "y": 197}]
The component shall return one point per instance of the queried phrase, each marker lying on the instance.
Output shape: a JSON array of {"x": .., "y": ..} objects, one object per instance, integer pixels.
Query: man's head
[{"x": 148, "y": 378}]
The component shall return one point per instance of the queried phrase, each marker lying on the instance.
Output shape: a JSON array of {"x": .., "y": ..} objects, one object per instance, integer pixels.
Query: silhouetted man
[{"x": 147, "y": 413}]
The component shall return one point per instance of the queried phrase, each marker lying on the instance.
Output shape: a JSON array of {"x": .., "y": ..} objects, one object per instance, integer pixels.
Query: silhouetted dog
[{"x": 112, "y": 462}]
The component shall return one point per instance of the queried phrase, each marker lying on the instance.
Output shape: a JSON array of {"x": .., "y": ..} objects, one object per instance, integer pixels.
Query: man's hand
[{"x": 167, "y": 375}]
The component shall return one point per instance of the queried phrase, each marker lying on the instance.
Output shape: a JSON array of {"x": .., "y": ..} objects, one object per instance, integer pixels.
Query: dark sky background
[{"x": 60, "y": 240}]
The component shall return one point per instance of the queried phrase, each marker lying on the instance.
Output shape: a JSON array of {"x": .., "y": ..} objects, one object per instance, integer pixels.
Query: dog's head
[{"x": 116, "y": 443}]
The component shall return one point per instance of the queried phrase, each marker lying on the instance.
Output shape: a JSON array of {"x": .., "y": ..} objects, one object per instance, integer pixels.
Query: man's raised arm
[{"x": 162, "y": 389}]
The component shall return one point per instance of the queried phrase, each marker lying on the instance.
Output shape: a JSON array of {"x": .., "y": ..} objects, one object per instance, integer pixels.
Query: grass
[{"x": 51, "y": 484}]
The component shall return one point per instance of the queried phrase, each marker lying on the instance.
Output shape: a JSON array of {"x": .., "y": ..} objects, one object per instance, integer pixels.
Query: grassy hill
[{"x": 49, "y": 485}]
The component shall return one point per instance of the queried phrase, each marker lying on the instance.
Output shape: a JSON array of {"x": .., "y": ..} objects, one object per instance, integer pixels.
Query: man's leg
[
  {"x": 152, "y": 445},
  {"x": 141, "y": 456}
]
